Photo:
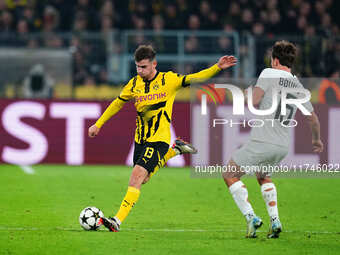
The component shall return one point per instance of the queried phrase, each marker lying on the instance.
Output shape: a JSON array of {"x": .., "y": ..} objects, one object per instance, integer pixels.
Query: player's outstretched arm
[
  {"x": 111, "y": 110},
  {"x": 314, "y": 124},
  {"x": 223, "y": 63}
]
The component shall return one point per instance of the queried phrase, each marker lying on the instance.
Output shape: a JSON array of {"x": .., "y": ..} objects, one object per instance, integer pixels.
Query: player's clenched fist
[{"x": 93, "y": 131}]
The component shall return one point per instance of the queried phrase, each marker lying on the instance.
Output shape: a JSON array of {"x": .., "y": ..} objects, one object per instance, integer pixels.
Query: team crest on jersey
[{"x": 156, "y": 86}]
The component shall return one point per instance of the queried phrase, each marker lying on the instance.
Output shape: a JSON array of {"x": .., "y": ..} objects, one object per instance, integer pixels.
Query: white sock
[
  {"x": 117, "y": 220},
  {"x": 240, "y": 194},
  {"x": 269, "y": 195},
  {"x": 177, "y": 151}
]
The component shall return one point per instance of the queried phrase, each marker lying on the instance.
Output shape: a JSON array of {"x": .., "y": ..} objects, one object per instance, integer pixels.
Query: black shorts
[{"x": 149, "y": 154}]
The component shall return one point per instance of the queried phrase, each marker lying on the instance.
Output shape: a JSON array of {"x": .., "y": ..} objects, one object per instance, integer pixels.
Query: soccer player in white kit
[{"x": 268, "y": 144}]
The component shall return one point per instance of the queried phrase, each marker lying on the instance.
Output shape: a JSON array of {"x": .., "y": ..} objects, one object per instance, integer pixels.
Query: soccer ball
[{"x": 89, "y": 218}]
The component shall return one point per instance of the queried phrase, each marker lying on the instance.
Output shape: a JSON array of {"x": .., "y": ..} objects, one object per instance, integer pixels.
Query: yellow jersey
[{"x": 153, "y": 100}]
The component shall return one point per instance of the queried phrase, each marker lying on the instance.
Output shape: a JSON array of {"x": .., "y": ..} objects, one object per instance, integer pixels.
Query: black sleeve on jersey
[
  {"x": 183, "y": 82},
  {"x": 125, "y": 100},
  {"x": 134, "y": 83}
]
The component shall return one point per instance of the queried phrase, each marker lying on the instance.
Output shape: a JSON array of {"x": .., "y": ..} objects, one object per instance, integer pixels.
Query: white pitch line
[
  {"x": 27, "y": 169},
  {"x": 6, "y": 228},
  {"x": 226, "y": 230}
]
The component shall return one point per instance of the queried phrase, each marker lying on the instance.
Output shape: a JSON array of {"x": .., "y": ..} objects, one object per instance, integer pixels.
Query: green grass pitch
[{"x": 175, "y": 214}]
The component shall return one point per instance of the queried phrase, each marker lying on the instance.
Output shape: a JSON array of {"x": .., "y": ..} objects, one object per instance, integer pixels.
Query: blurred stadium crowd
[
  {"x": 314, "y": 24},
  {"x": 261, "y": 17}
]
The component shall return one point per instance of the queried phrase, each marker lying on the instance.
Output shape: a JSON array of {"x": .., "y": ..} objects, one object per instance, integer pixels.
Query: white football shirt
[{"x": 273, "y": 131}]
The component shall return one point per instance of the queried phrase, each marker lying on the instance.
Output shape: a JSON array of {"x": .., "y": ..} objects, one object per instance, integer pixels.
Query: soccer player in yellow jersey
[{"x": 153, "y": 93}]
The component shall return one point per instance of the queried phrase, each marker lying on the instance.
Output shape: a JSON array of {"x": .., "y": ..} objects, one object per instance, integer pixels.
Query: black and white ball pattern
[{"x": 89, "y": 218}]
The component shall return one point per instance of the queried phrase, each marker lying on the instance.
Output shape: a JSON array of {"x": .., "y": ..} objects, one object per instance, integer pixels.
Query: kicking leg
[
  {"x": 239, "y": 193},
  {"x": 179, "y": 147}
]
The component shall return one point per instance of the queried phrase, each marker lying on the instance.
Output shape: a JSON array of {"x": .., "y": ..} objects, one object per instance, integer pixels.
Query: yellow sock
[
  {"x": 128, "y": 202},
  {"x": 170, "y": 154}
]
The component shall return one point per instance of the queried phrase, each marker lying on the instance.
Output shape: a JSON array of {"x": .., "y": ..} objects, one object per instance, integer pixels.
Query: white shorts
[{"x": 256, "y": 154}]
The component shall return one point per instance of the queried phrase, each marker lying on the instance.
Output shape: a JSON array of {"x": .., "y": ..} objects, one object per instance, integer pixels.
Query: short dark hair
[
  {"x": 285, "y": 52},
  {"x": 145, "y": 52}
]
